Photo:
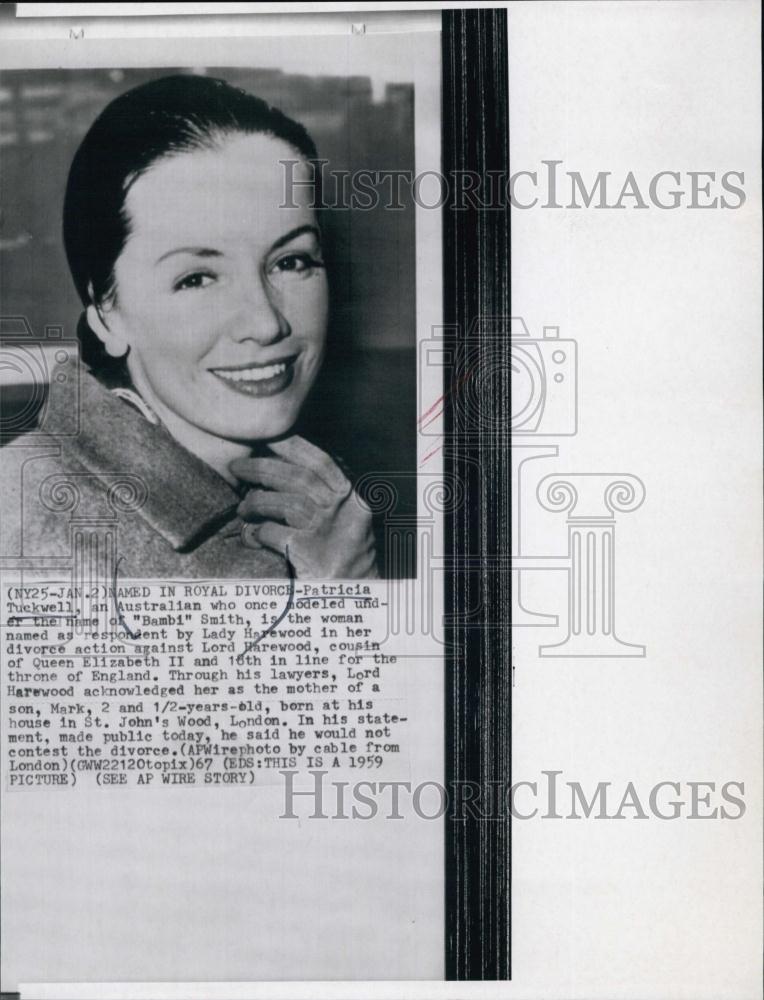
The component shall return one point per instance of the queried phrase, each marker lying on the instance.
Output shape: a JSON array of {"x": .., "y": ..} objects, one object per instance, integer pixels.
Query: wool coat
[{"x": 99, "y": 484}]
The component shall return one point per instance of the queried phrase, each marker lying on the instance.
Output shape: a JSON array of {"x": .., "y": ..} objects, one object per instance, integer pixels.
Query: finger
[
  {"x": 357, "y": 502},
  {"x": 296, "y": 449},
  {"x": 283, "y": 476},
  {"x": 297, "y": 511},
  {"x": 275, "y": 536}
]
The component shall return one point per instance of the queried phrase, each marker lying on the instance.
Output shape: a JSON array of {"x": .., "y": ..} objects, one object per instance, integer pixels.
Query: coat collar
[{"x": 186, "y": 499}]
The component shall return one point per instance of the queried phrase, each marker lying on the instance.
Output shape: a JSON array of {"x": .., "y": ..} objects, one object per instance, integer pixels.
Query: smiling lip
[{"x": 258, "y": 379}]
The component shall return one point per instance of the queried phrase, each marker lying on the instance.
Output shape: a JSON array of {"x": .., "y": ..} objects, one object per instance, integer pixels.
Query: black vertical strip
[{"x": 478, "y": 527}]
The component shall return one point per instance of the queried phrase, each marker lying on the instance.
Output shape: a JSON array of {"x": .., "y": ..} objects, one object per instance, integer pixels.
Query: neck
[{"x": 216, "y": 452}]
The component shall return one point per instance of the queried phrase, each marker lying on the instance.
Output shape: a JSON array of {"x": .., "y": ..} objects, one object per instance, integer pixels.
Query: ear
[{"x": 114, "y": 343}]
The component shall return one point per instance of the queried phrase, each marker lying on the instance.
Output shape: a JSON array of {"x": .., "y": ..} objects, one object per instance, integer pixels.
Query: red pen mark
[
  {"x": 438, "y": 402},
  {"x": 434, "y": 411},
  {"x": 429, "y": 455}
]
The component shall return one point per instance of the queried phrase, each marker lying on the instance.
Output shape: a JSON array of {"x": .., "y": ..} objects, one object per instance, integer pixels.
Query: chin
[{"x": 260, "y": 430}]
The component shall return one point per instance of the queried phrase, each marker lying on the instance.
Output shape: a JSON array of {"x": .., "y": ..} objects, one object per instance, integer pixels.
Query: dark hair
[{"x": 164, "y": 117}]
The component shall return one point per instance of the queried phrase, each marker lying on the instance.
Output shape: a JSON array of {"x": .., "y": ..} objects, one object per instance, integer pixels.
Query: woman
[{"x": 204, "y": 326}]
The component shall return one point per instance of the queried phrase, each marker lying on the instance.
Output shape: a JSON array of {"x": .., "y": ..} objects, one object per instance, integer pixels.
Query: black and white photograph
[
  {"x": 236, "y": 346},
  {"x": 217, "y": 272}
]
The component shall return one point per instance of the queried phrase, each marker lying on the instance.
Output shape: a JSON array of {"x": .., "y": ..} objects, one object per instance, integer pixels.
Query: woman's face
[{"x": 221, "y": 295}]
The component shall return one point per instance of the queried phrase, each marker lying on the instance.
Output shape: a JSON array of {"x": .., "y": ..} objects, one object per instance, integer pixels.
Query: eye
[
  {"x": 197, "y": 279},
  {"x": 296, "y": 263}
]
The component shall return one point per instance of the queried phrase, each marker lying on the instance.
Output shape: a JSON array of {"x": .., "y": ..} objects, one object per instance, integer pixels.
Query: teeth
[{"x": 252, "y": 374}]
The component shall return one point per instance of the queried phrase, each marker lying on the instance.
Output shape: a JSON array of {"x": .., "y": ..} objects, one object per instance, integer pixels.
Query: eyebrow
[
  {"x": 195, "y": 251},
  {"x": 209, "y": 252},
  {"x": 294, "y": 233}
]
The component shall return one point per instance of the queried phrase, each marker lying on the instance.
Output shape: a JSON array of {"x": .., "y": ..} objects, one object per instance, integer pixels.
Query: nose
[{"x": 259, "y": 317}]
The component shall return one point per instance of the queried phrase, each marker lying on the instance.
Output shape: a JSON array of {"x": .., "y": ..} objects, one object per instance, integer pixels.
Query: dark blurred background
[{"x": 363, "y": 406}]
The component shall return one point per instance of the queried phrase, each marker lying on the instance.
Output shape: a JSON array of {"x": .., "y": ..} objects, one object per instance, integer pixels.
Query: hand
[{"x": 325, "y": 524}]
